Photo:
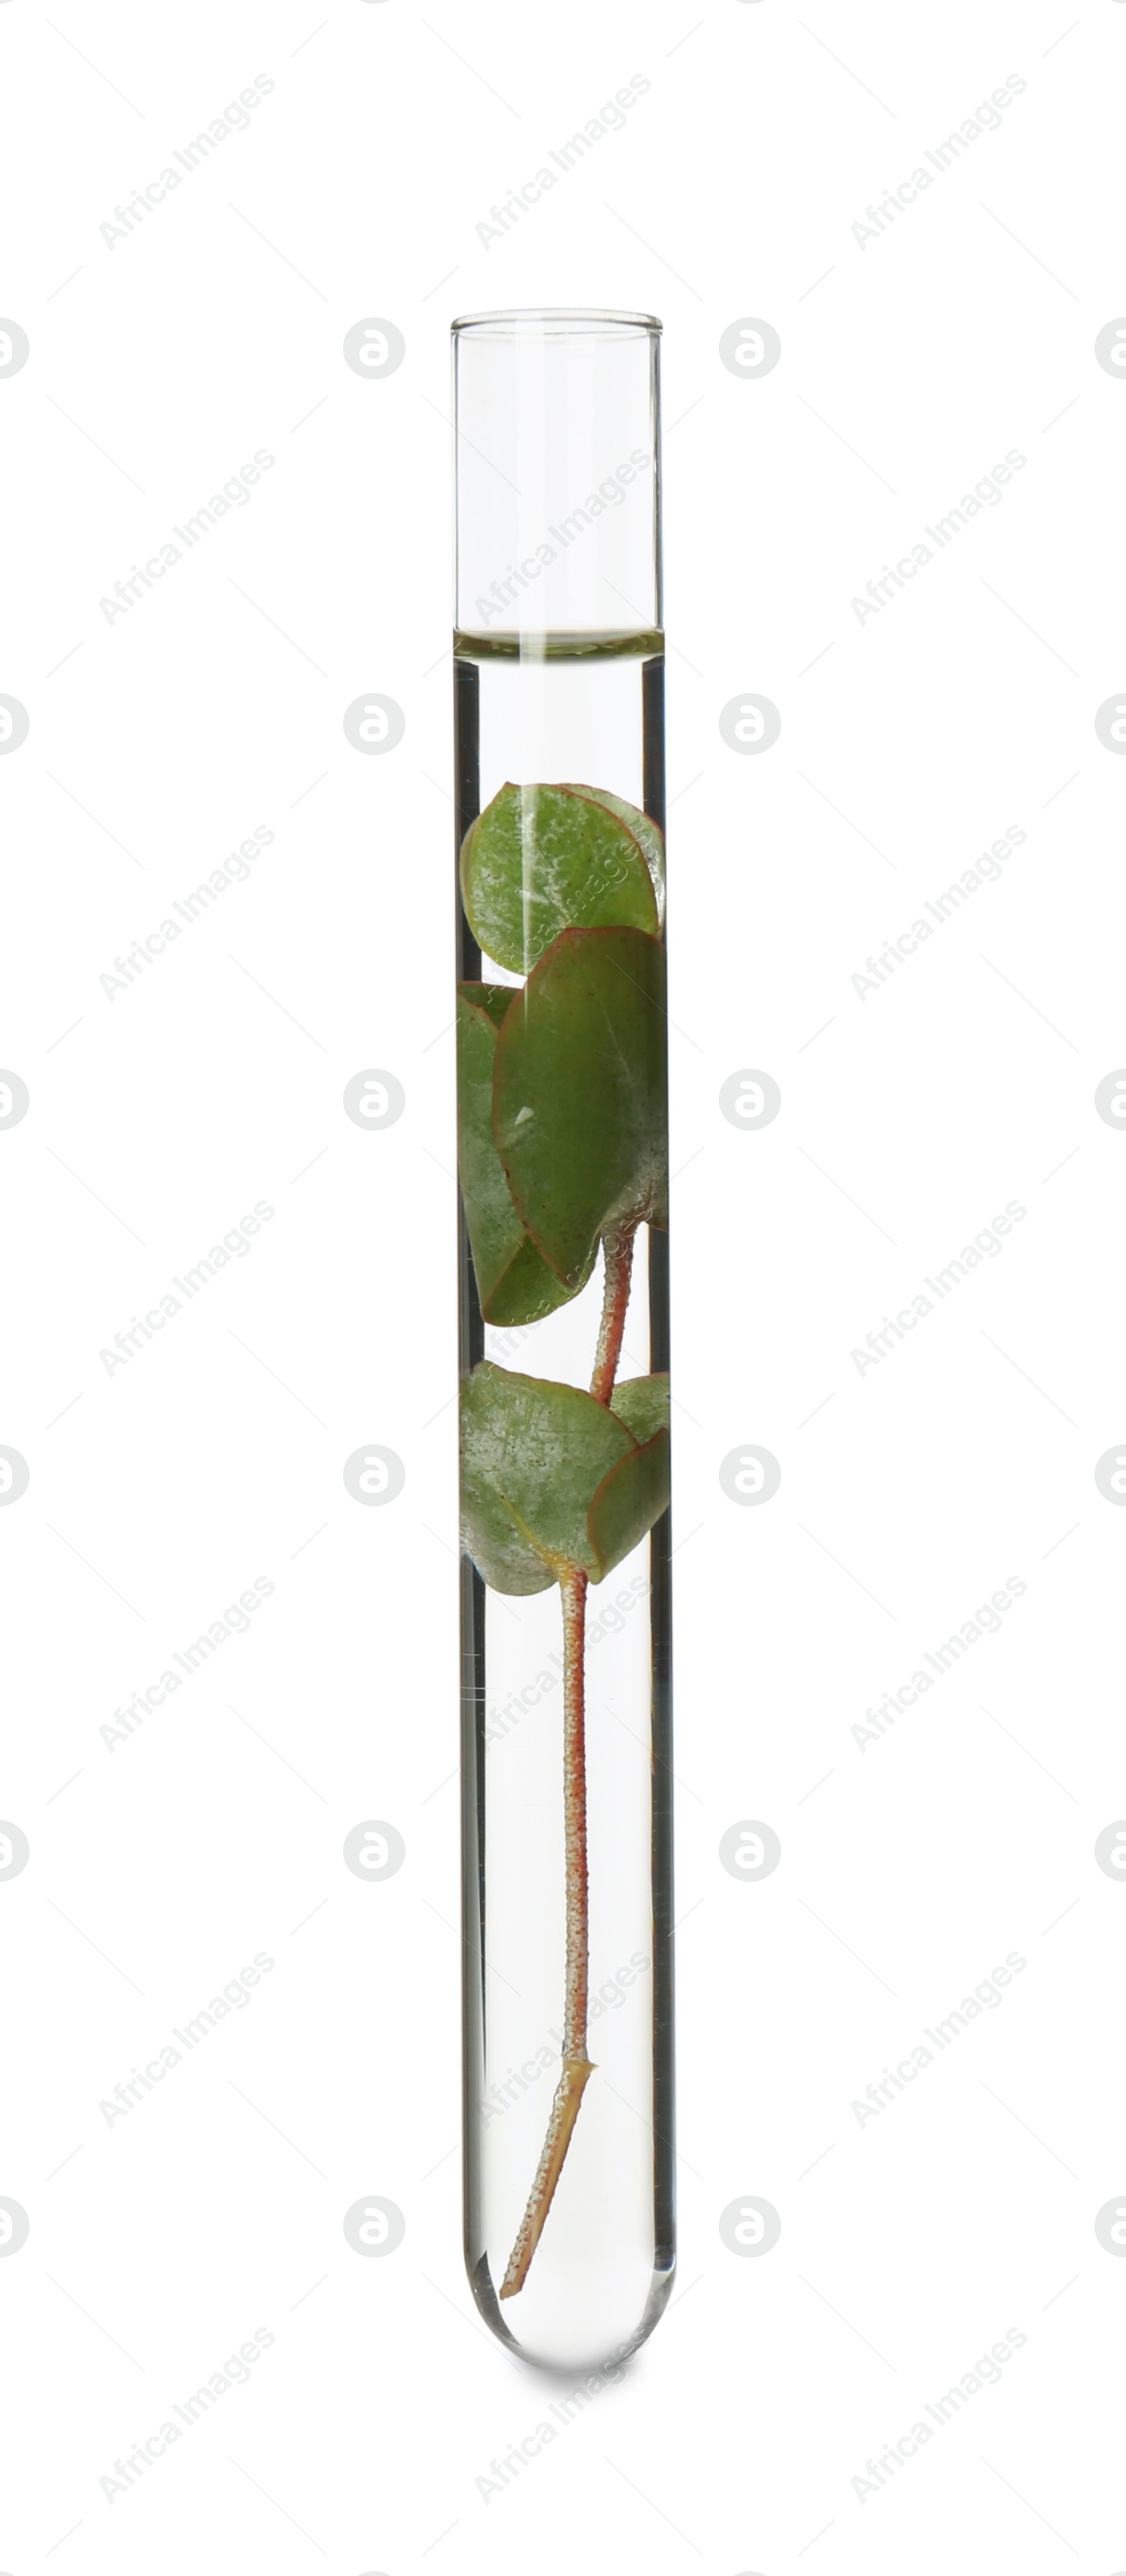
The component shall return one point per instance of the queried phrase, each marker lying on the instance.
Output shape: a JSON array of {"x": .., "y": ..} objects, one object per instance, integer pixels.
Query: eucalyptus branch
[{"x": 562, "y": 1120}]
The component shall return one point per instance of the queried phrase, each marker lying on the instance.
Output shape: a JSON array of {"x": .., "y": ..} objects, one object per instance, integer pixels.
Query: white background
[{"x": 910, "y": 1865}]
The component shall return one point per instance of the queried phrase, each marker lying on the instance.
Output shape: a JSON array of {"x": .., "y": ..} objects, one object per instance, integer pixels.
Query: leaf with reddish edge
[
  {"x": 552, "y": 1483},
  {"x": 648, "y": 835},
  {"x": 514, "y": 1284},
  {"x": 533, "y": 1455},
  {"x": 543, "y": 859},
  {"x": 580, "y": 1094},
  {"x": 630, "y": 1498},
  {"x": 642, "y": 1403}
]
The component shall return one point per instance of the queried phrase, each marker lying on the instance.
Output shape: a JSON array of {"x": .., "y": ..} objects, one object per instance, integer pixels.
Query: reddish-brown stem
[
  {"x": 576, "y": 2067},
  {"x": 573, "y": 1592},
  {"x": 618, "y": 1256}
]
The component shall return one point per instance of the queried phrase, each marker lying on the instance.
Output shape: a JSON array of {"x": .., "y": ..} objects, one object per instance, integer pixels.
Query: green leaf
[
  {"x": 630, "y": 1498},
  {"x": 648, "y": 835},
  {"x": 551, "y": 1482},
  {"x": 642, "y": 1403},
  {"x": 514, "y": 1284},
  {"x": 493, "y": 998},
  {"x": 580, "y": 1094},
  {"x": 544, "y": 859},
  {"x": 528, "y": 1290},
  {"x": 533, "y": 1457}
]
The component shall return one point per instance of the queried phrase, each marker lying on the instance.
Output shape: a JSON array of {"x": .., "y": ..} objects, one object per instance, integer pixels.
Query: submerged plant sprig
[{"x": 562, "y": 1146}]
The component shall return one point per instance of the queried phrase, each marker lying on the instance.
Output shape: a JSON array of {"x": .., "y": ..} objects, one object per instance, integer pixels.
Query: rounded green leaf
[
  {"x": 514, "y": 1284},
  {"x": 580, "y": 1094},
  {"x": 551, "y": 1482},
  {"x": 630, "y": 1498},
  {"x": 544, "y": 859},
  {"x": 642, "y": 1403},
  {"x": 533, "y": 1457},
  {"x": 648, "y": 835}
]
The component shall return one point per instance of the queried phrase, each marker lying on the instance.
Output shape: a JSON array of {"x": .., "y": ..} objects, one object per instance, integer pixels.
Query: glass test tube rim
[{"x": 564, "y": 319}]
